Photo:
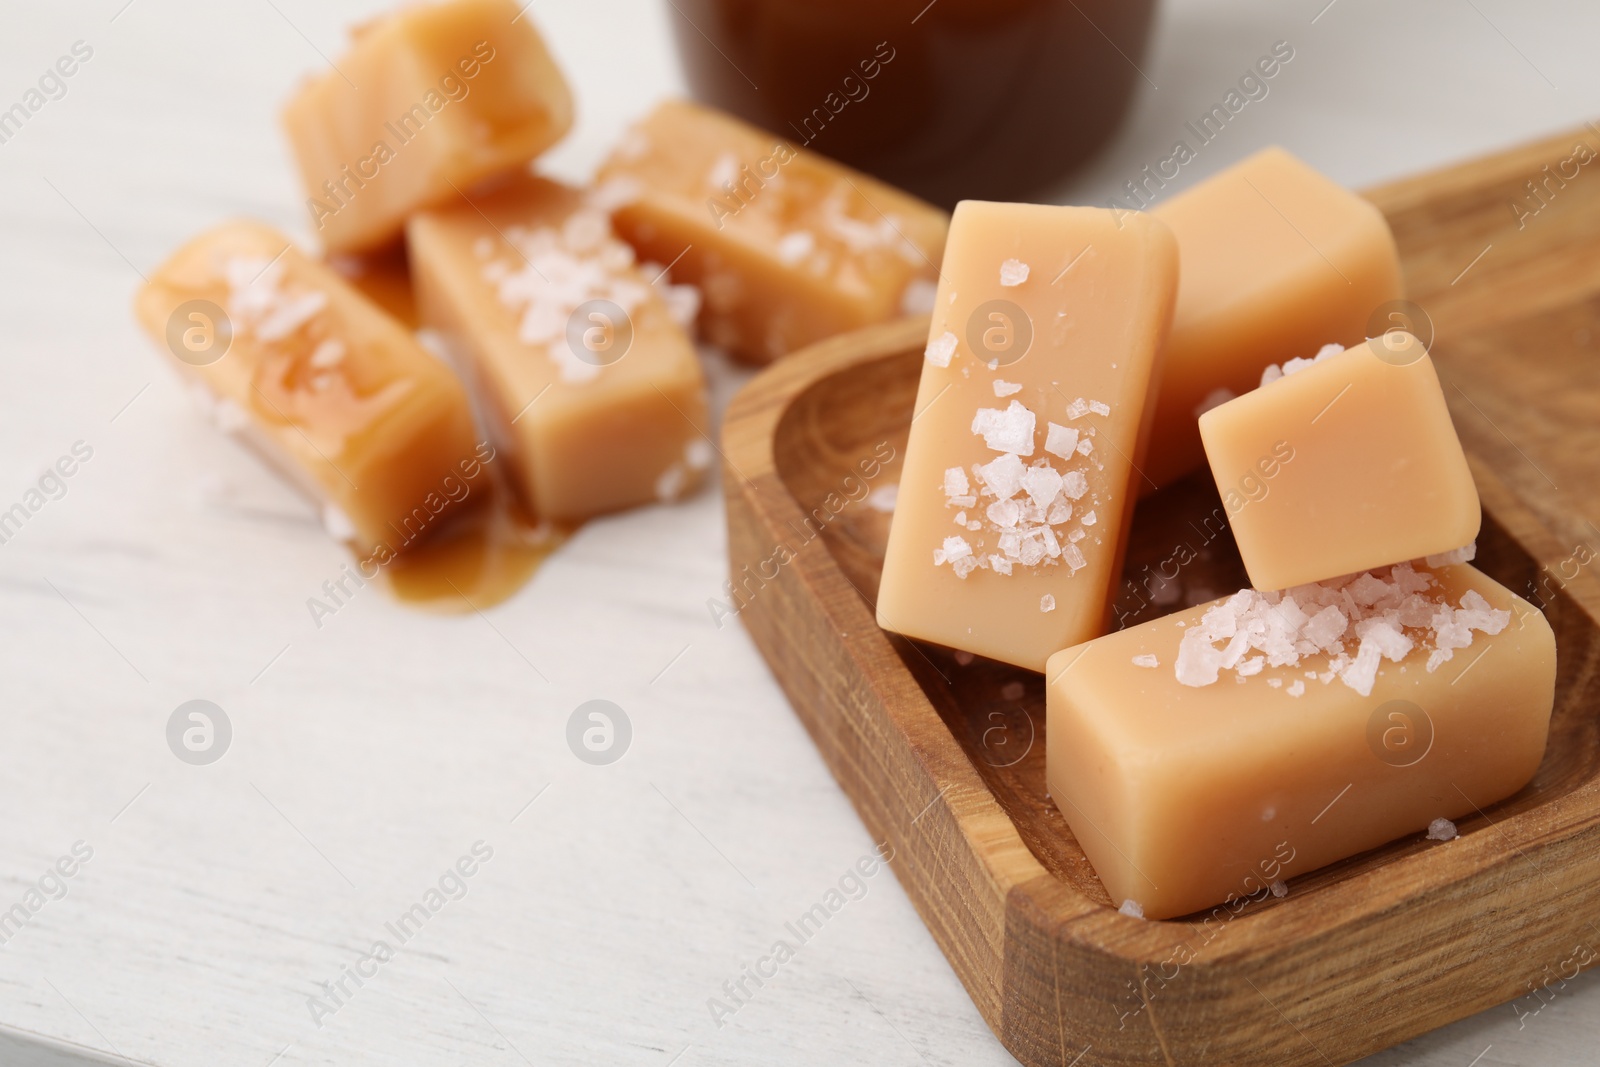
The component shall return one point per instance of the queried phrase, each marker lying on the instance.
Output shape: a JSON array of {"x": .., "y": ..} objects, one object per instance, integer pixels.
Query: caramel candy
[
  {"x": 426, "y": 102},
  {"x": 335, "y": 392},
  {"x": 1202, "y": 756},
  {"x": 1033, "y": 409},
  {"x": 788, "y": 247},
  {"x": 1276, "y": 261},
  {"x": 1346, "y": 462},
  {"x": 587, "y": 378}
]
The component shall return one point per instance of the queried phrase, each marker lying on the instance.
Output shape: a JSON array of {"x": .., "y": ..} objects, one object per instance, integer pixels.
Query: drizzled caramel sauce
[{"x": 478, "y": 558}]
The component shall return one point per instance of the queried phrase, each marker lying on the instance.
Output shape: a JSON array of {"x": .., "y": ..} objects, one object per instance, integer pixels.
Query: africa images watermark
[
  {"x": 743, "y": 587},
  {"x": 51, "y": 85},
  {"x": 50, "y": 486},
  {"x": 339, "y": 591},
  {"x": 852, "y": 886},
  {"x": 741, "y": 182},
  {"x": 452, "y": 885},
  {"x": 404, "y": 128},
  {"x": 1142, "y": 190},
  {"x": 49, "y": 886}
]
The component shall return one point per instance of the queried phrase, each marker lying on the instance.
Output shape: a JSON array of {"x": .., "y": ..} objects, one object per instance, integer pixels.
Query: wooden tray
[{"x": 950, "y": 771}]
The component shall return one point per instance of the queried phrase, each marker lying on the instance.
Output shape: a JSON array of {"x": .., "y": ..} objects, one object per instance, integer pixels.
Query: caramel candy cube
[
  {"x": 788, "y": 247},
  {"x": 586, "y": 376},
  {"x": 427, "y": 101},
  {"x": 1276, "y": 261},
  {"x": 1202, "y": 757},
  {"x": 1033, "y": 409},
  {"x": 338, "y": 395},
  {"x": 1348, "y": 462}
]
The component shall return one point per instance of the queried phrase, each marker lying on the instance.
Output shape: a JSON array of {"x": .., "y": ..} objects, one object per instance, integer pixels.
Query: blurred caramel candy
[
  {"x": 1345, "y": 462},
  {"x": 787, "y": 247},
  {"x": 426, "y": 102},
  {"x": 585, "y": 373},
  {"x": 336, "y": 393},
  {"x": 1276, "y": 261},
  {"x": 1043, "y": 357},
  {"x": 1201, "y": 757}
]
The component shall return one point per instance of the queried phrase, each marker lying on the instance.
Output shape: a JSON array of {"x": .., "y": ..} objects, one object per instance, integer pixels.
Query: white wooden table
[{"x": 369, "y": 755}]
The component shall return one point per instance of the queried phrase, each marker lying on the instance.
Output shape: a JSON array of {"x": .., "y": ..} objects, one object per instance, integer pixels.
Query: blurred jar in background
[{"x": 957, "y": 99}]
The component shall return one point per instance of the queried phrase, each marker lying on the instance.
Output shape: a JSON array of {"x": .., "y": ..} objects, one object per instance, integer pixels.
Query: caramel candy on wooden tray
[
  {"x": 1276, "y": 261},
  {"x": 1342, "y": 463},
  {"x": 787, "y": 246},
  {"x": 587, "y": 378},
  {"x": 337, "y": 394},
  {"x": 1011, "y": 517},
  {"x": 1294, "y": 729}
]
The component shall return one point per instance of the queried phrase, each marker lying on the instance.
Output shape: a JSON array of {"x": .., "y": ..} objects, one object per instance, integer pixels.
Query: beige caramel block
[
  {"x": 1013, "y": 507},
  {"x": 1276, "y": 261},
  {"x": 336, "y": 393},
  {"x": 1184, "y": 797},
  {"x": 426, "y": 101},
  {"x": 1348, "y": 464},
  {"x": 587, "y": 380},
  {"x": 787, "y": 246}
]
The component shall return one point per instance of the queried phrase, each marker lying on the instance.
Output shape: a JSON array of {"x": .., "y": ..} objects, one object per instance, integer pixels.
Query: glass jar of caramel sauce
[{"x": 951, "y": 100}]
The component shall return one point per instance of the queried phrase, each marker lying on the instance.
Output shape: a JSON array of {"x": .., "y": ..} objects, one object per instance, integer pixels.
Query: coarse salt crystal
[
  {"x": 1013, "y": 272},
  {"x": 1099, "y": 408},
  {"x": 1060, "y": 440},
  {"x": 1078, "y": 408},
  {"x": 1132, "y": 909},
  {"x": 917, "y": 297},
  {"x": 1089, "y": 518},
  {"x": 1442, "y": 830},
  {"x": 328, "y": 354},
  {"x": 1074, "y": 484},
  {"x": 793, "y": 247},
  {"x": 1296, "y": 688},
  {"x": 1147, "y": 659},
  {"x": 1007, "y": 430},
  {"x": 955, "y": 482},
  {"x": 1085, "y": 446},
  {"x": 1214, "y": 399},
  {"x": 1047, "y": 603},
  {"x": 883, "y": 498},
  {"x": 1465, "y": 554},
  {"x": 1280, "y": 888},
  {"x": 1002, "y": 477},
  {"x": 940, "y": 349},
  {"x": 1005, "y": 388}
]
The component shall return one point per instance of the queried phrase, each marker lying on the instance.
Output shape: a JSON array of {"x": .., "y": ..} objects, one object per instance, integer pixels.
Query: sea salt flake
[
  {"x": 1078, "y": 408},
  {"x": 1465, "y": 554},
  {"x": 955, "y": 482},
  {"x": 1074, "y": 485},
  {"x": 1147, "y": 659},
  {"x": 940, "y": 349},
  {"x": 1002, "y": 477},
  {"x": 1060, "y": 440},
  {"x": 1013, "y": 272},
  {"x": 1085, "y": 446},
  {"x": 1132, "y": 909},
  {"x": 917, "y": 297},
  {"x": 1099, "y": 408},
  {"x": 1007, "y": 430},
  {"x": 1047, "y": 603},
  {"x": 1005, "y": 388},
  {"x": 1442, "y": 830},
  {"x": 883, "y": 498}
]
